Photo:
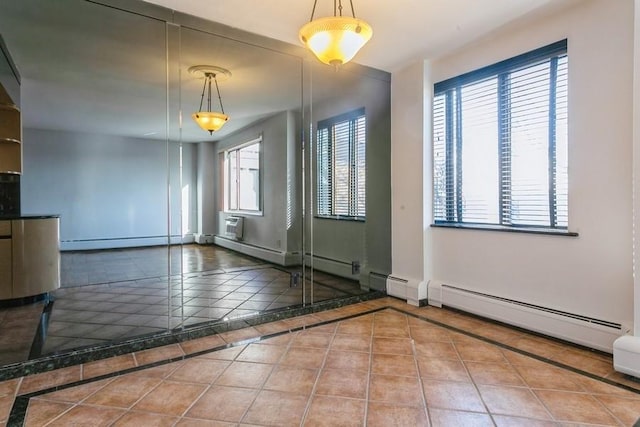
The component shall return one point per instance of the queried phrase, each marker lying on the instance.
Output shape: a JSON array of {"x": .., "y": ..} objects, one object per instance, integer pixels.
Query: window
[
  {"x": 500, "y": 143},
  {"x": 341, "y": 165},
  {"x": 242, "y": 173}
]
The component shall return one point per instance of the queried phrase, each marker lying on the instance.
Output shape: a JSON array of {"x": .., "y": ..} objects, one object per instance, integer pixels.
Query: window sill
[
  {"x": 340, "y": 218},
  {"x": 250, "y": 213},
  {"x": 488, "y": 227}
]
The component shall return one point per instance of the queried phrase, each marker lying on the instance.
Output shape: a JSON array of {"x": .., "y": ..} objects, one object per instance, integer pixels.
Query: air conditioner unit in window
[{"x": 234, "y": 226}]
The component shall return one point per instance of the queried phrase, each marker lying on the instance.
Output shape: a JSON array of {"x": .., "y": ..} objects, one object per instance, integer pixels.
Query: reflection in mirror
[
  {"x": 163, "y": 227},
  {"x": 348, "y": 191}
]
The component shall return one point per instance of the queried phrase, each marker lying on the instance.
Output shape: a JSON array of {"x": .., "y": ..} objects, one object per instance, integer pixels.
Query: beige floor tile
[
  {"x": 87, "y": 416},
  {"x": 344, "y": 342},
  {"x": 508, "y": 421},
  {"x": 516, "y": 401},
  {"x": 137, "y": 419},
  {"x": 292, "y": 379},
  {"x": 108, "y": 366},
  {"x": 204, "y": 371},
  {"x": 625, "y": 410},
  {"x": 201, "y": 344},
  {"x": 443, "y": 350},
  {"x": 347, "y": 360},
  {"x": 442, "y": 369},
  {"x": 170, "y": 398},
  {"x": 223, "y": 404},
  {"x": 549, "y": 377},
  {"x": 261, "y": 353},
  {"x": 226, "y": 354},
  {"x": 47, "y": 380},
  {"x": 392, "y": 345},
  {"x": 394, "y": 364},
  {"x": 452, "y": 395},
  {"x": 427, "y": 333},
  {"x": 384, "y": 415},
  {"x": 480, "y": 352},
  {"x": 312, "y": 339},
  {"x": 276, "y": 408},
  {"x": 145, "y": 357},
  {"x": 123, "y": 392},
  {"x": 450, "y": 418},
  {"x": 396, "y": 390},
  {"x": 575, "y": 407},
  {"x": 40, "y": 412},
  {"x": 160, "y": 371},
  {"x": 583, "y": 362},
  {"x": 192, "y": 422},
  {"x": 77, "y": 393},
  {"x": 343, "y": 382},
  {"x": 302, "y": 357},
  {"x": 245, "y": 374},
  {"x": 326, "y": 411},
  {"x": 494, "y": 373}
]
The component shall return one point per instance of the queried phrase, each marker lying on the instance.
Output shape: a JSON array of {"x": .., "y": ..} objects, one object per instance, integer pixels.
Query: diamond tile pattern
[
  {"x": 380, "y": 368},
  {"x": 113, "y": 295}
]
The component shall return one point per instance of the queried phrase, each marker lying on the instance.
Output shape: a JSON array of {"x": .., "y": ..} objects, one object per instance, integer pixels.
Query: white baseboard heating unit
[
  {"x": 593, "y": 333},
  {"x": 234, "y": 227}
]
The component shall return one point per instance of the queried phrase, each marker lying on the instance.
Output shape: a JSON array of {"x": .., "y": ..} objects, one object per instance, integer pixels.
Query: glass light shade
[
  {"x": 335, "y": 40},
  {"x": 210, "y": 121}
]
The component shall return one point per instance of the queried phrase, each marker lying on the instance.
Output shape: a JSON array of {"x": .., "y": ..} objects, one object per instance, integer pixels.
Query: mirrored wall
[{"x": 163, "y": 226}]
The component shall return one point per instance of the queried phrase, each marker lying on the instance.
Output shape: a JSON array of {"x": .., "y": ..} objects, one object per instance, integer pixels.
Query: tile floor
[
  {"x": 113, "y": 295},
  {"x": 377, "y": 363}
]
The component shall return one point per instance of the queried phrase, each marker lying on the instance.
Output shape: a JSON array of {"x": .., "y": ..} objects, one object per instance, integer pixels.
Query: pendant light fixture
[
  {"x": 336, "y": 39},
  {"x": 210, "y": 120}
]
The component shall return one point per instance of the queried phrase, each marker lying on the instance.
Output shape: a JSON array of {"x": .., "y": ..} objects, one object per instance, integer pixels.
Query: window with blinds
[
  {"x": 500, "y": 143},
  {"x": 341, "y": 166}
]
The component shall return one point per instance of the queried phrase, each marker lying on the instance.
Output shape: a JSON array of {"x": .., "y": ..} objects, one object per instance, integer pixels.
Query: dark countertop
[{"x": 30, "y": 216}]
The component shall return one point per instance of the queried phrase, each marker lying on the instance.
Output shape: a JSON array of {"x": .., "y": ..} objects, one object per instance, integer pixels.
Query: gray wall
[
  {"x": 277, "y": 228},
  {"x": 110, "y": 191}
]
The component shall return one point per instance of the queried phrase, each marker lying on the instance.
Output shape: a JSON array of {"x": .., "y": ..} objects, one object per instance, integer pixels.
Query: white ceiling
[
  {"x": 105, "y": 71},
  {"x": 403, "y": 30}
]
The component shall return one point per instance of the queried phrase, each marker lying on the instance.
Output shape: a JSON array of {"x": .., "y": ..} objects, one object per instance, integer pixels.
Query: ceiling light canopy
[
  {"x": 208, "y": 120},
  {"x": 336, "y": 39}
]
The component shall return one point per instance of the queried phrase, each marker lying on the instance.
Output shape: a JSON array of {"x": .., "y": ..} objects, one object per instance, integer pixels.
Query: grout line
[
  {"x": 522, "y": 352},
  {"x": 420, "y": 381},
  {"x": 19, "y": 408}
]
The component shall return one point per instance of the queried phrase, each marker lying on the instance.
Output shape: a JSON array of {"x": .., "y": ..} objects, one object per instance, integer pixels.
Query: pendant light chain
[
  {"x": 204, "y": 87},
  {"x": 207, "y": 79},
  {"x": 313, "y": 11},
  {"x": 218, "y": 90}
]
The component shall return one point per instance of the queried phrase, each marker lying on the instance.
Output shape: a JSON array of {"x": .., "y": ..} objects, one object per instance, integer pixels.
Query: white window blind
[
  {"x": 341, "y": 166},
  {"x": 500, "y": 143},
  {"x": 243, "y": 177}
]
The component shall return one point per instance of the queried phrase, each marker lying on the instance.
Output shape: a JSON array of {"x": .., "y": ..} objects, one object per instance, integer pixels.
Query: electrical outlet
[
  {"x": 295, "y": 279},
  {"x": 355, "y": 267}
]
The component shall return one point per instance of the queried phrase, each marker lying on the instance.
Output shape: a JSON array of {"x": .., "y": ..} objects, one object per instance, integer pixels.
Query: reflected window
[
  {"x": 341, "y": 166},
  {"x": 242, "y": 186},
  {"x": 500, "y": 143}
]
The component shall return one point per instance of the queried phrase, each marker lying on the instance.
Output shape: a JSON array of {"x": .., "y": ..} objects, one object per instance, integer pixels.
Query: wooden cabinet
[
  {"x": 29, "y": 257},
  {"x": 10, "y": 139}
]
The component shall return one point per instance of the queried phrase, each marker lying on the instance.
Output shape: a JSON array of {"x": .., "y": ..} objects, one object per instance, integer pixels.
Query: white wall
[
  {"x": 110, "y": 191},
  {"x": 591, "y": 274}
]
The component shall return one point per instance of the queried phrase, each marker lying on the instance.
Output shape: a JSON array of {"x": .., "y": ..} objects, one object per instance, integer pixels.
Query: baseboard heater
[{"x": 587, "y": 331}]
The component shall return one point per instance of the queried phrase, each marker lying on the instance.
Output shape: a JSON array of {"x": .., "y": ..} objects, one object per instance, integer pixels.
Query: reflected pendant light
[
  {"x": 336, "y": 39},
  {"x": 210, "y": 120}
]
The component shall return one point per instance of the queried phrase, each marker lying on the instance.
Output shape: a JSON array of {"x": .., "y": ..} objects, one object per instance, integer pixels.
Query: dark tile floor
[{"x": 114, "y": 295}]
